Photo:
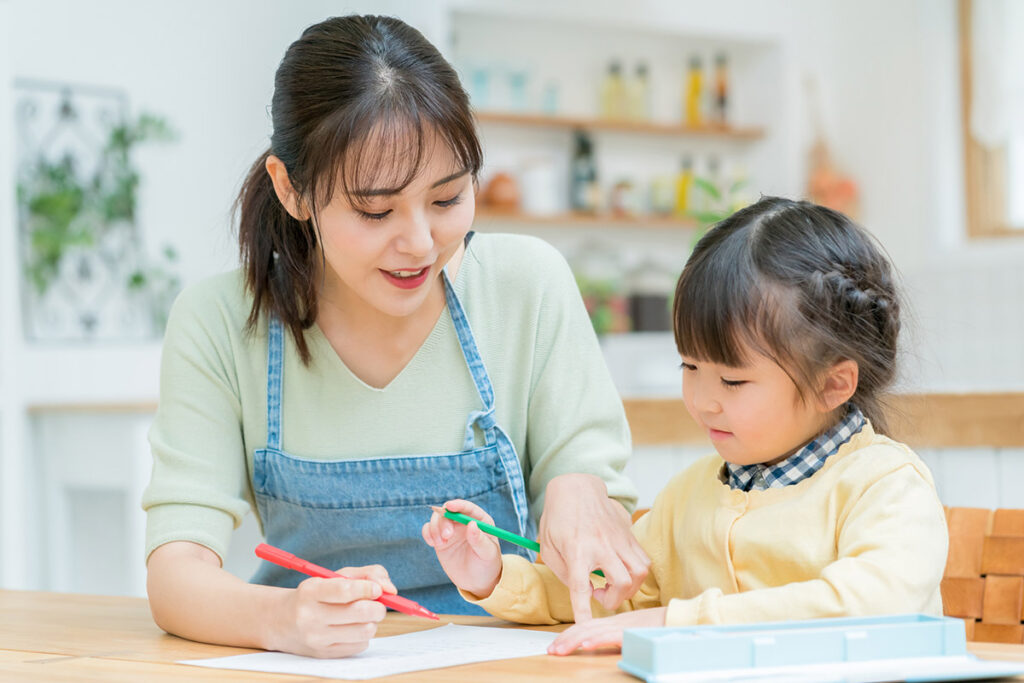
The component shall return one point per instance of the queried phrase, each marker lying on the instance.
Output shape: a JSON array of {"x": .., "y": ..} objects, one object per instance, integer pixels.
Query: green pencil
[{"x": 495, "y": 531}]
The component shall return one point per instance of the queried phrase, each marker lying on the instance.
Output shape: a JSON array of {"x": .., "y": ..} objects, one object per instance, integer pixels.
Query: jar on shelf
[
  {"x": 650, "y": 285},
  {"x": 599, "y": 275}
]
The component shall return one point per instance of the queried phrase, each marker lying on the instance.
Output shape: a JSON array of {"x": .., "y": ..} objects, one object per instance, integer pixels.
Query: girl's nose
[{"x": 706, "y": 402}]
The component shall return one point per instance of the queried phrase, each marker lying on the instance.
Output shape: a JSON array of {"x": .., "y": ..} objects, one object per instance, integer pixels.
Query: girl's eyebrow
[{"x": 387, "y": 192}]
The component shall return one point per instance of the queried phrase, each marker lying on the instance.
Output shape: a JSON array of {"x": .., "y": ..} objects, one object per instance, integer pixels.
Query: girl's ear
[
  {"x": 284, "y": 190},
  {"x": 840, "y": 384}
]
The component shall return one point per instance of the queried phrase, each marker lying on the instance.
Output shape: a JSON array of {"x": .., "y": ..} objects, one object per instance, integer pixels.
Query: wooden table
[{"x": 68, "y": 638}]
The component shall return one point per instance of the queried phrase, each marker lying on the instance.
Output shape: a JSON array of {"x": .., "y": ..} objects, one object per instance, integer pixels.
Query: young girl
[
  {"x": 786, "y": 319},
  {"x": 369, "y": 359}
]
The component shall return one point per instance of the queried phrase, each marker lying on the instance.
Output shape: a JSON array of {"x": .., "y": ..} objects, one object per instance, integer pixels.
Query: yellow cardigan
[{"x": 864, "y": 535}]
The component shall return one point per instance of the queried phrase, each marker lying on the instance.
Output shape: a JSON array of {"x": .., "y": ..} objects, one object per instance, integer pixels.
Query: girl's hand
[
  {"x": 606, "y": 632},
  {"x": 331, "y": 617},
  {"x": 471, "y": 558},
  {"x": 582, "y": 529}
]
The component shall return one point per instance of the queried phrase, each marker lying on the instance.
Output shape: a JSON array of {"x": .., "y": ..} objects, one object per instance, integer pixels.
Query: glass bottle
[
  {"x": 683, "y": 182},
  {"x": 694, "y": 85},
  {"x": 613, "y": 92},
  {"x": 640, "y": 94},
  {"x": 721, "y": 90},
  {"x": 583, "y": 180}
]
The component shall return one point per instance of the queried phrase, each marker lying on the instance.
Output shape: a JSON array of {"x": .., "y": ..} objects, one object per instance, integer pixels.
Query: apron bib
[{"x": 349, "y": 513}]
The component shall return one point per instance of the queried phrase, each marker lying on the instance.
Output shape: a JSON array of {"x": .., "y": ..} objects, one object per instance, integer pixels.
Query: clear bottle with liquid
[
  {"x": 639, "y": 95},
  {"x": 693, "y": 115},
  {"x": 613, "y": 92},
  {"x": 684, "y": 181}
]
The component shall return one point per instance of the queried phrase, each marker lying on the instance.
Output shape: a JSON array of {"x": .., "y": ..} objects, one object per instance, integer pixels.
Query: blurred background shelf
[
  {"x": 724, "y": 132},
  {"x": 579, "y": 219}
]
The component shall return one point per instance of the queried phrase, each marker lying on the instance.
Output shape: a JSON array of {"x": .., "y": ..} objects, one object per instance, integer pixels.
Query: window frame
[{"x": 985, "y": 169}]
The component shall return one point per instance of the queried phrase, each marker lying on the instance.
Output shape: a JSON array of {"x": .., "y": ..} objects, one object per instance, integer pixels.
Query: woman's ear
[
  {"x": 840, "y": 384},
  {"x": 284, "y": 190}
]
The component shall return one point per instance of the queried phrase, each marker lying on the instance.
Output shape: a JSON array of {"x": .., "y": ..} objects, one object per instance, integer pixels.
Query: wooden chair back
[{"x": 984, "y": 579}]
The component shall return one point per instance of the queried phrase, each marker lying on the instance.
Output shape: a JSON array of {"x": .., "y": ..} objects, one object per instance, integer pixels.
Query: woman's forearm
[{"x": 191, "y": 596}]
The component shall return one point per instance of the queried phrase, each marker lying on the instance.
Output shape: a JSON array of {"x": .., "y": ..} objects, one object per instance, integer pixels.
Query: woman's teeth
[{"x": 406, "y": 273}]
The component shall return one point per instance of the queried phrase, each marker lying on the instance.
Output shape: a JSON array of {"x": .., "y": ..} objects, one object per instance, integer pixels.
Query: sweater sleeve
[
  {"x": 576, "y": 421},
  {"x": 530, "y": 593},
  {"x": 891, "y": 555},
  {"x": 199, "y": 484}
]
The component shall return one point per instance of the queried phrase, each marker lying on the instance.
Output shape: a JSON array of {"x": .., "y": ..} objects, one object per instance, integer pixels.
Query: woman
[{"x": 370, "y": 358}]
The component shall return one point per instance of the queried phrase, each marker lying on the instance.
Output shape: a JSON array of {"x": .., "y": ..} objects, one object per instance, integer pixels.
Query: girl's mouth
[{"x": 718, "y": 434}]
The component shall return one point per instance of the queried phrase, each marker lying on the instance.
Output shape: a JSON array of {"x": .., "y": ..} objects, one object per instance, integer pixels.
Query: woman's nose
[{"x": 416, "y": 238}]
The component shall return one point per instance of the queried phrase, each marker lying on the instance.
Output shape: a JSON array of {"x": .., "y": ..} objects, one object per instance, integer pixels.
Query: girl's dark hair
[
  {"x": 356, "y": 101},
  {"x": 799, "y": 283}
]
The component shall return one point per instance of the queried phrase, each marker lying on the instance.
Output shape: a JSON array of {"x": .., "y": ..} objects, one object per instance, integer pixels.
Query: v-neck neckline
[{"x": 442, "y": 326}]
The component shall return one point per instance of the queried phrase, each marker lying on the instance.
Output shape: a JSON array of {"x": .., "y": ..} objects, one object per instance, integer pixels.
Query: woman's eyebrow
[
  {"x": 387, "y": 192},
  {"x": 448, "y": 179}
]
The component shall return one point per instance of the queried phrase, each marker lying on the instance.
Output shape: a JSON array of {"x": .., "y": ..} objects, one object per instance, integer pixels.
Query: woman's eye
[
  {"x": 375, "y": 216},
  {"x": 445, "y": 203},
  {"x": 733, "y": 382},
  {"x": 687, "y": 366}
]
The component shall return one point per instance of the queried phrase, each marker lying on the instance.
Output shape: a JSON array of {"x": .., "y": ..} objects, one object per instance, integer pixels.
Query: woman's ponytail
[{"x": 278, "y": 256}]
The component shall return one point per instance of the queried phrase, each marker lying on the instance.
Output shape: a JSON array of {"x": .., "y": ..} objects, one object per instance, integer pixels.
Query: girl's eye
[
  {"x": 732, "y": 383},
  {"x": 687, "y": 366},
  {"x": 375, "y": 216},
  {"x": 444, "y": 204}
]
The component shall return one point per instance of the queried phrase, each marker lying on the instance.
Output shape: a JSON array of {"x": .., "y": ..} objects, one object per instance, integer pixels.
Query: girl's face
[
  {"x": 753, "y": 414},
  {"x": 385, "y": 255}
]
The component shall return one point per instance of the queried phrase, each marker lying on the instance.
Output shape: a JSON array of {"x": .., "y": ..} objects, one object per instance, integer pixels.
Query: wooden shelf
[
  {"x": 921, "y": 420},
  {"x": 576, "y": 219},
  {"x": 625, "y": 126}
]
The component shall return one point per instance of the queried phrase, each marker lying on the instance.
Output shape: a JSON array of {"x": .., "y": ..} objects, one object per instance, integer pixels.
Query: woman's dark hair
[
  {"x": 799, "y": 283},
  {"x": 356, "y": 101}
]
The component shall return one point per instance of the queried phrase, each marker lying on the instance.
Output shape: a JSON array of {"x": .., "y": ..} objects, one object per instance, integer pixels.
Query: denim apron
[{"x": 349, "y": 513}]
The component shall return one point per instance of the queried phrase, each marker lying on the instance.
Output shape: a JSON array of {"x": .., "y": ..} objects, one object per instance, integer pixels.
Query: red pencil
[{"x": 286, "y": 559}]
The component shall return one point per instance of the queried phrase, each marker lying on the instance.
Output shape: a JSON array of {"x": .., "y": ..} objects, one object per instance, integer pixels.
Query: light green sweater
[{"x": 553, "y": 394}]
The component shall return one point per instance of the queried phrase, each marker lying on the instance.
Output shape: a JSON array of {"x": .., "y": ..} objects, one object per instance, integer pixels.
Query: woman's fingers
[
  {"x": 619, "y": 584},
  {"x": 340, "y": 591},
  {"x": 372, "y": 572}
]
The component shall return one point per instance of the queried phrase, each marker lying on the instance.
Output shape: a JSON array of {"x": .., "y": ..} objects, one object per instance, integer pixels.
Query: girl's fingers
[
  {"x": 427, "y": 536},
  {"x": 590, "y": 636},
  {"x": 483, "y": 545},
  {"x": 467, "y": 508}
]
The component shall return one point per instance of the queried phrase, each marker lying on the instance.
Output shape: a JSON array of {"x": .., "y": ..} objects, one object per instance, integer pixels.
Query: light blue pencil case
[{"x": 902, "y": 647}]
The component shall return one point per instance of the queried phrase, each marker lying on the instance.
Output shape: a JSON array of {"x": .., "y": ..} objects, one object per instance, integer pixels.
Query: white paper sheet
[{"x": 435, "y": 648}]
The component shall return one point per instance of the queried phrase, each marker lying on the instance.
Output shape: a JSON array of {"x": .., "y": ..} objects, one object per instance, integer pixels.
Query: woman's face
[{"x": 385, "y": 254}]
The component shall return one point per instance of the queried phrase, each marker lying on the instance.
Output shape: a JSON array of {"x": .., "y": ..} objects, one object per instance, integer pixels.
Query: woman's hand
[
  {"x": 607, "y": 632},
  {"x": 582, "y": 529},
  {"x": 331, "y": 617},
  {"x": 471, "y": 558}
]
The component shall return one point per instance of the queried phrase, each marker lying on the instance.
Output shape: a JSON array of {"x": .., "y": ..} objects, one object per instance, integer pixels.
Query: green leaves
[{"x": 64, "y": 210}]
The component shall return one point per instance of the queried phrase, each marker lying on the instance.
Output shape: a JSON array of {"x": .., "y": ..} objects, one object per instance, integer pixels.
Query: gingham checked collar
[{"x": 801, "y": 464}]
